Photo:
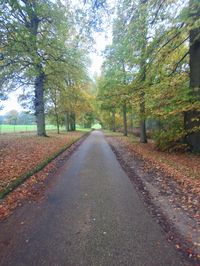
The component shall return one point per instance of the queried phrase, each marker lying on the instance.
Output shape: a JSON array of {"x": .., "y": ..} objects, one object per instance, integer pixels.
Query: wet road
[{"x": 91, "y": 215}]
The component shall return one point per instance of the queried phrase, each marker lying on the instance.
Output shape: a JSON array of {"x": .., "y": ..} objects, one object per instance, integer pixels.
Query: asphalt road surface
[{"x": 91, "y": 214}]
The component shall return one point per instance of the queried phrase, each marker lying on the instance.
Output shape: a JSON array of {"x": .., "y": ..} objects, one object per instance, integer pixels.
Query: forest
[
  {"x": 150, "y": 77},
  {"x": 151, "y": 73}
]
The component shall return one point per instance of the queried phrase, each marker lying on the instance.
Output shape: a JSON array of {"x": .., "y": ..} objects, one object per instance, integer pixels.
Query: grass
[
  {"x": 22, "y": 128},
  {"x": 32, "y": 128},
  {"x": 83, "y": 129},
  {"x": 109, "y": 133}
]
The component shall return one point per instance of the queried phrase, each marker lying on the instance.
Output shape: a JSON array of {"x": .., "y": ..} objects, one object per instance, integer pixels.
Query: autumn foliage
[
  {"x": 183, "y": 169},
  {"x": 20, "y": 155}
]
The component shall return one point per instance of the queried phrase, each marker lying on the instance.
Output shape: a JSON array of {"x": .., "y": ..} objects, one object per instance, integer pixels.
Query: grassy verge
[
  {"x": 4, "y": 129},
  {"x": 109, "y": 133},
  {"x": 11, "y": 180}
]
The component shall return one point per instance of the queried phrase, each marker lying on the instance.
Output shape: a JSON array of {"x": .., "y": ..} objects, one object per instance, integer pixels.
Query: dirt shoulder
[
  {"x": 170, "y": 185},
  {"x": 23, "y": 155}
]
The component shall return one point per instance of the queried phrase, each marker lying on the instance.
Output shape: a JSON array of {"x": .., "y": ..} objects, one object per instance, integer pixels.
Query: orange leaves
[
  {"x": 22, "y": 154},
  {"x": 183, "y": 167},
  {"x": 180, "y": 169},
  {"x": 170, "y": 184}
]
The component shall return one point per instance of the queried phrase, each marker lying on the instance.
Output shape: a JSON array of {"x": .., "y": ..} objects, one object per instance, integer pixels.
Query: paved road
[{"x": 91, "y": 215}]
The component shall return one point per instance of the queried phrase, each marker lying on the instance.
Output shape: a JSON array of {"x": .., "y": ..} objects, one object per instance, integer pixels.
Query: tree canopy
[
  {"x": 150, "y": 65},
  {"x": 150, "y": 76}
]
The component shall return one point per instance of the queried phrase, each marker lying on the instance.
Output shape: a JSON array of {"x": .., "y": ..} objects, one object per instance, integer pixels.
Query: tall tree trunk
[
  {"x": 125, "y": 119},
  {"x": 113, "y": 119},
  {"x": 66, "y": 122},
  {"x": 143, "y": 30},
  {"x": 131, "y": 118},
  {"x": 57, "y": 123},
  {"x": 39, "y": 104},
  {"x": 70, "y": 122},
  {"x": 192, "y": 118},
  {"x": 124, "y": 104},
  {"x": 40, "y": 76},
  {"x": 143, "y": 134},
  {"x": 74, "y": 121}
]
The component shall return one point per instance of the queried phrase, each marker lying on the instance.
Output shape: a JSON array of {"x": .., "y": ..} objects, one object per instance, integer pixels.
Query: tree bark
[
  {"x": 143, "y": 134},
  {"x": 143, "y": 29},
  {"x": 131, "y": 118},
  {"x": 67, "y": 121},
  {"x": 39, "y": 104},
  {"x": 125, "y": 119},
  {"x": 113, "y": 120},
  {"x": 74, "y": 121},
  {"x": 70, "y": 122},
  {"x": 124, "y": 104},
  {"x": 40, "y": 76},
  {"x": 57, "y": 124},
  {"x": 192, "y": 118}
]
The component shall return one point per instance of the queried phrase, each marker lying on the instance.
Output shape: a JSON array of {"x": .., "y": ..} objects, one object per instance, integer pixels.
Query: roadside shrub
[{"x": 170, "y": 136}]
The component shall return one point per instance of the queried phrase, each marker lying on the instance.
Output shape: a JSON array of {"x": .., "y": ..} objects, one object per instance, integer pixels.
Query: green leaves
[{"x": 149, "y": 56}]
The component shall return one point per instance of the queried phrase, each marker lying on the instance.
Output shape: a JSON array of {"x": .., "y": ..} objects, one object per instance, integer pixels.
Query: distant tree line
[{"x": 14, "y": 117}]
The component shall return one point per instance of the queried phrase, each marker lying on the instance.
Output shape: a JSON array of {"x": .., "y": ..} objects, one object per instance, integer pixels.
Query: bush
[{"x": 170, "y": 136}]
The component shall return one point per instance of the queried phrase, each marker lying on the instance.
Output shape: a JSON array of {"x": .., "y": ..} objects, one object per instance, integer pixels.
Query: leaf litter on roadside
[
  {"x": 176, "y": 177},
  {"x": 20, "y": 155}
]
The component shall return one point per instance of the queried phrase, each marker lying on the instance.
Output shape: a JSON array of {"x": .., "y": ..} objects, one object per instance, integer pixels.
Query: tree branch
[
  {"x": 178, "y": 63},
  {"x": 157, "y": 12}
]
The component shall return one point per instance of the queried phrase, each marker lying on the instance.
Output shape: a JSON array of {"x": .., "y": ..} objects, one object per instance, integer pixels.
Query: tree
[
  {"x": 143, "y": 29},
  {"x": 26, "y": 118},
  {"x": 152, "y": 39},
  {"x": 54, "y": 97},
  {"x": 192, "y": 117},
  {"x": 32, "y": 40},
  {"x": 12, "y": 117}
]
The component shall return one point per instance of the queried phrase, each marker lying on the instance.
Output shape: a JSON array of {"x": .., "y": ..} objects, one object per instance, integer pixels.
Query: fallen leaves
[
  {"x": 182, "y": 167},
  {"x": 20, "y": 155},
  {"x": 167, "y": 180},
  {"x": 33, "y": 150}
]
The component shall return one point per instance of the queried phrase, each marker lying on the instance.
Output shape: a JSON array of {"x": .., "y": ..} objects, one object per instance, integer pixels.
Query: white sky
[
  {"x": 102, "y": 40},
  {"x": 11, "y": 104}
]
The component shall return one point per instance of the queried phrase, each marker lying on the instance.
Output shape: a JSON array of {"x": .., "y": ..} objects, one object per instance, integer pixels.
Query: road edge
[
  {"x": 172, "y": 234},
  {"x": 15, "y": 184}
]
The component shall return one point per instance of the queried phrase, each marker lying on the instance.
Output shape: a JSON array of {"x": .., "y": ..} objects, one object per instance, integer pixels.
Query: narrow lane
[{"x": 91, "y": 215}]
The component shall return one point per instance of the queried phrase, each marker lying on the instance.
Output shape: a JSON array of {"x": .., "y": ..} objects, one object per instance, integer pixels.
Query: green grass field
[
  {"x": 31, "y": 128},
  {"x": 22, "y": 128}
]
